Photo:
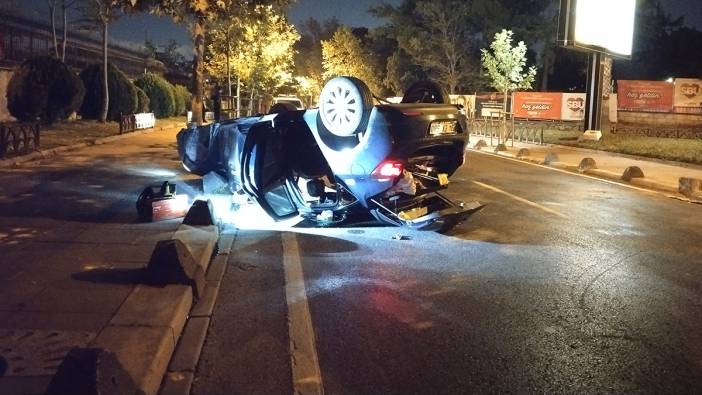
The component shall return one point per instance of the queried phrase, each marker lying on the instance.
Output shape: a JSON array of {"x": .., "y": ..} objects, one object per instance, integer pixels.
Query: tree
[
  {"x": 437, "y": 36},
  {"x": 308, "y": 56},
  {"x": 101, "y": 13},
  {"x": 344, "y": 54},
  {"x": 52, "y": 15},
  {"x": 263, "y": 56},
  {"x": 65, "y": 6},
  {"x": 197, "y": 13},
  {"x": 534, "y": 21},
  {"x": 505, "y": 67}
]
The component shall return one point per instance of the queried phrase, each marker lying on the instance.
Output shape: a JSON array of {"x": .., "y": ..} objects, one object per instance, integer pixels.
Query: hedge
[
  {"x": 44, "y": 87},
  {"x": 142, "y": 100},
  {"x": 123, "y": 95},
  {"x": 179, "y": 102},
  {"x": 160, "y": 93}
]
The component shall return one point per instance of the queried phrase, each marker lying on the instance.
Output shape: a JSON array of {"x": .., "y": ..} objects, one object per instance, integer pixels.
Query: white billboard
[{"x": 598, "y": 25}]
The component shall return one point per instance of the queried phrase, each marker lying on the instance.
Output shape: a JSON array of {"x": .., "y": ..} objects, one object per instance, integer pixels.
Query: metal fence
[
  {"x": 18, "y": 138},
  {"x": 516, "y": 129}
]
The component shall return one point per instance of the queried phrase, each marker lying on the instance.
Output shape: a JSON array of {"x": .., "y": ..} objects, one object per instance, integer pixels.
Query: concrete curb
[
  {"x": 618, "y": 154},
  {"x": 144, "y": 332},
  {"x": 599, "y": 173},
  {"x": 48, "y": 153},
  {"x": 181, "y": 370}
]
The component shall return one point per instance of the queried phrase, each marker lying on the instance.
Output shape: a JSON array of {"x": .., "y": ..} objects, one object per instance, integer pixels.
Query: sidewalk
[
  {"x": 678, "y": 179},
  {"x": 69, "y": 135},
  {"x": 72, "y": 260}
]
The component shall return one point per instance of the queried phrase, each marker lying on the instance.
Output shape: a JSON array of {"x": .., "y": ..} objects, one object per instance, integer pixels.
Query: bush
[
  {"x": 123, "y": 95},
  {"x": 179, "y": 101},
  {"x": 142, "y": 100},
  {"x": 44, "y": 87},
  {"x": 160, "y": 94},
  {"x": 183, "y": 96}
]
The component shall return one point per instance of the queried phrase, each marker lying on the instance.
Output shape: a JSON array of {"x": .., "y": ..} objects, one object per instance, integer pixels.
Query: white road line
[
  {"x": 520, "y": 199},
  {"x": 307, "y": 377}
]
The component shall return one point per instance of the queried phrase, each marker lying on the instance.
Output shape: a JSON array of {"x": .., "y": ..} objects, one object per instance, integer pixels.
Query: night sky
[{"x": 132, "y": 30}]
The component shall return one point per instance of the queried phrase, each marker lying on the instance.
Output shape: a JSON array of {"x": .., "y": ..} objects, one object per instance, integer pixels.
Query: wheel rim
[{"x": 341, "y": 107}]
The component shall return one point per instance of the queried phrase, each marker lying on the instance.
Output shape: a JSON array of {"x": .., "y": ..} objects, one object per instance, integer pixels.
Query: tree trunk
[
  {"x": 105, "y": 86},
  {"x": 238, "y": 96},
  {"x": 229, "y": 72},
  {"x": 52, "y": 12},
  {"x": 251, "y": 97},
  {"x": 65, "y": 32},
  {"x": 544, "y": 77},
  {"x": 198, "y": 69}
]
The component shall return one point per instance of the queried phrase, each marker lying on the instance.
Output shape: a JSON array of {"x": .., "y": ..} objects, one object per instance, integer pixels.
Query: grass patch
[{"x": 680, "y": 150}]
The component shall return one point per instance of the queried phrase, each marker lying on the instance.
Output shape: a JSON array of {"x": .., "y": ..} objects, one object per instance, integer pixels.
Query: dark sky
[{"x": 133, "y": 29}]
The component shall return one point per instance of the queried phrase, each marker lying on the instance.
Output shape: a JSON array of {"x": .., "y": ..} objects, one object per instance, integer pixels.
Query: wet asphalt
[{"x": 591, "y": 288}]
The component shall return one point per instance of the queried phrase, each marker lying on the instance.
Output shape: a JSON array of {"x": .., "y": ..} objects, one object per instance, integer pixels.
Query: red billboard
[
  {"x": 647, "y": 96},
  {"x": 537, "y": 105}
]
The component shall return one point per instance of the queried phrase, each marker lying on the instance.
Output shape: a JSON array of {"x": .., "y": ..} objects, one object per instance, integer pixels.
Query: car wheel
[
  {"x": 426, "y": 92},
  {"x": 281, "y": 108},
  {"x": 344, "y": 106}
]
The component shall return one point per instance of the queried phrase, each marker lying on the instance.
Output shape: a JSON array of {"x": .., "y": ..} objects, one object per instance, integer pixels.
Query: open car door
[{"x": 265, "y": 172}]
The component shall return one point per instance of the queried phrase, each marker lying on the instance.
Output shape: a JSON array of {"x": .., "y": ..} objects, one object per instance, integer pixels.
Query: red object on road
[
  {"x": 169, "y": 208},
  {"x": 161, "y": 204}
]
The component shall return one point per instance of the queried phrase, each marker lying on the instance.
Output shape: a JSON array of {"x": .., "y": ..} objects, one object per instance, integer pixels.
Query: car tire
[
  {"x": 281, "y": 108},
  {"x": 344, "y": 106},
  {"x": 426, "y": 92}
]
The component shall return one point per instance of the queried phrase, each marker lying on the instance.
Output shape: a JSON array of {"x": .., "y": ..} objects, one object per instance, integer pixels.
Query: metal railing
[
  {"x": 127, "y": 123},
  {"x": 517, "y": 129},
  {"x": 18, "y": 138}
]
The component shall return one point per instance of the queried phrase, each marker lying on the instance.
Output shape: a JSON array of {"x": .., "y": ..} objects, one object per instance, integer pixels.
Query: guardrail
[
  {"x": 132, "y": 122},
  {"x": 522, "y": 130},
  {"x": 19, "y": 138}
]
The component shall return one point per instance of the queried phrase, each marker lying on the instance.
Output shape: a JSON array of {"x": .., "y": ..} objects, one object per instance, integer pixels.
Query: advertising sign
[
  {"x": 489, "y": 104},
  {"x": 598, "y": 25},
  {"x": 467, "y": 101},
  {"x": 537, "y": 105},
  {"x": 688, "y": 95},
  {"x": 648, "y": 96},
  {"x": 573, "y": 107}
]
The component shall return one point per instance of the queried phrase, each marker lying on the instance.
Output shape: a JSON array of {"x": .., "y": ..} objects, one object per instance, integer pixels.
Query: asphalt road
[{"x": 561, "y": 284}]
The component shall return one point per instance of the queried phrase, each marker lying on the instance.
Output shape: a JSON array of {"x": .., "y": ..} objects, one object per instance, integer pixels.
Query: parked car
[
  {"x": 391, "y": 160},
  {"x": 286, "y": 103}
]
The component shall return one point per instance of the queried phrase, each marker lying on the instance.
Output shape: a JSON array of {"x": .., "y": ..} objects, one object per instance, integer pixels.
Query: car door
[{"x": 265, "y": 173}]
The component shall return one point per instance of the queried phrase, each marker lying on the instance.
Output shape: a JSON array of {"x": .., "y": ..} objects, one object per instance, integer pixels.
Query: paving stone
[
  {"x": 91, "y": 322},
  {"x": 74, "y": 300},
  {"x": 190, "y": 345},
  {"x": 15, "y": 385}
]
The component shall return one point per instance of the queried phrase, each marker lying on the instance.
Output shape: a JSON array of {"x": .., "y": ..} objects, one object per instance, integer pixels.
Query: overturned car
[{"x": 349, "y": 155}]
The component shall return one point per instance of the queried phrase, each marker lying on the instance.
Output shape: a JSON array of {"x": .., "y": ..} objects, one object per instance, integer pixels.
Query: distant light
[{"x": 669, "y": 80}]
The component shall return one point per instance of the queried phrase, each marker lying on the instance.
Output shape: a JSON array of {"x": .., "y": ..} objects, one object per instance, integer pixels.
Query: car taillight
[{"x": 388, "y": 169}]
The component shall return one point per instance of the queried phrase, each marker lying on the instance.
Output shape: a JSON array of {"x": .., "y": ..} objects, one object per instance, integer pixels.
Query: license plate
[
  {"x": 442, "y": 128},
  {"x": 443, "y": 179}
]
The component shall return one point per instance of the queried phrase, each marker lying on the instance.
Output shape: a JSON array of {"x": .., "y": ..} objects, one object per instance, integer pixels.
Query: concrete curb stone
[
  {"x": 599, "y": 173},
  {"x": 632, "y": 172},
  {"x": 144, "y": 332},
  {"x": 180, "y": 377},
  {"x": 622, "y": 155}
]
